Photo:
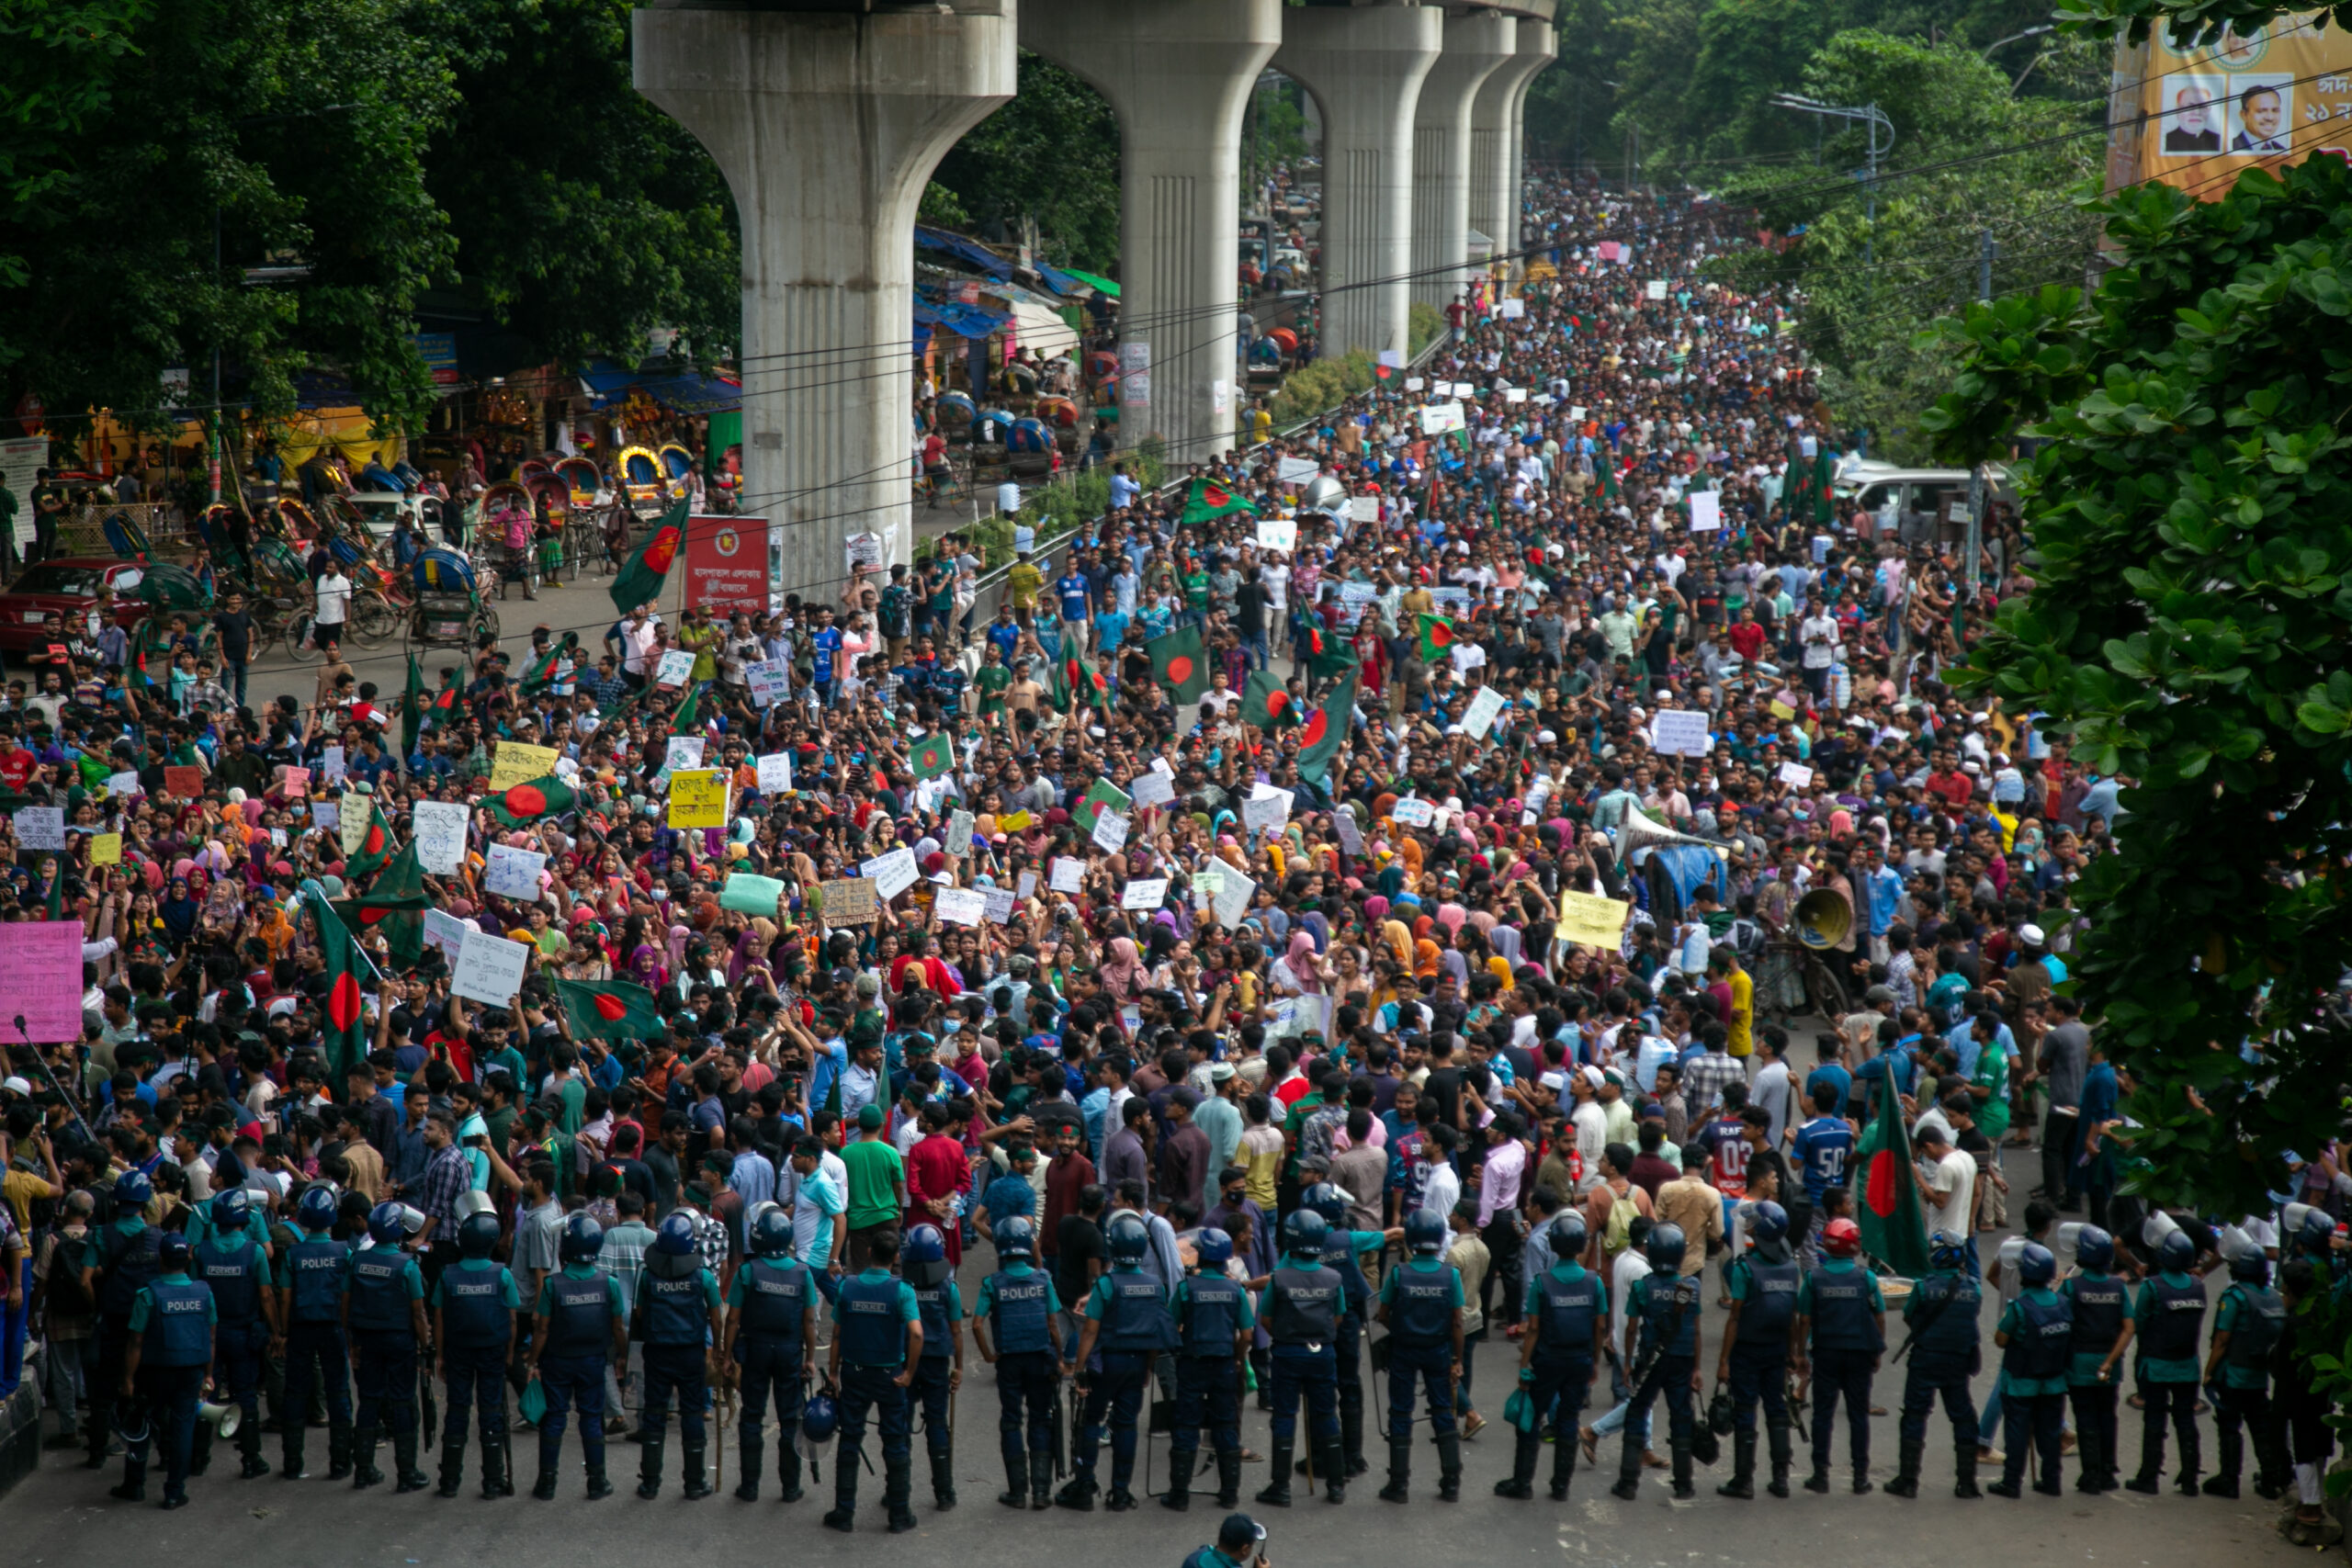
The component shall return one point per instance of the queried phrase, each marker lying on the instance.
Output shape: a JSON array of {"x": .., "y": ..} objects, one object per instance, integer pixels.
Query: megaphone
[
  {"x": 224, "y": 1419},
  {"x": 1823, "y": 918},
  {"x": 1639, "y": 831}
]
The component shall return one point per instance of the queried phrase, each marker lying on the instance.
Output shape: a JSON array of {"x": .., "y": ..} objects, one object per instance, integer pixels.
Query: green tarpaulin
[{"x": 1102, "y": 284}]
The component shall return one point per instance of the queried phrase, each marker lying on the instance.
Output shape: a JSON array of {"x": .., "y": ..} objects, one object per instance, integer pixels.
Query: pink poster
[{"x": 42, "y": 981}]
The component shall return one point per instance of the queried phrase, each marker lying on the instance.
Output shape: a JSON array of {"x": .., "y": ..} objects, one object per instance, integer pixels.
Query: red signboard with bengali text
[{"x": 727, "y": 564}]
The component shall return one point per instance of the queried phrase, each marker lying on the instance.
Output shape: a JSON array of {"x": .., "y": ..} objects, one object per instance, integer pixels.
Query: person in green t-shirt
[
  {"x": 877, "y": 1186},
  {"x": 1989, "y": 1087},
  {"x": 992, "y": 680}
]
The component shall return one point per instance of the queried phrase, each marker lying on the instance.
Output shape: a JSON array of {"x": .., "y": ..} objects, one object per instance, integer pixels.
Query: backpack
[{"x": 1617, "y": 1233}]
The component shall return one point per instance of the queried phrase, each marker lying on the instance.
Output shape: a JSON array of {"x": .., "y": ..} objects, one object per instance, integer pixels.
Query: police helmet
[
  {"x": 1424, "y": 1234},
  {"x": 1767, "y": 1221},
  {"x": 771, "y": 1233},
  {"x": 1841, "y": 1238},
  {"x": 133, "y": 1189},
  {"x": 677, "y": 1237},
  {"x": 1127, "y": 1238},
  {"x": 1947, "y": 1251},
  {"x": 2318, "y": 1234},
  {"x": 2250, "y": 1268},
  {"x": 2177, "y": 1252},
  {"x": 1303, "y": 1233},
  {"x": 316, "y": 1210},
  {"x": 1665, "y": 1246},
  {"x": 1213, "y": 1249},
  {"x": 1568, "y": 1236},
  {"x": 476, "y": 1235},
  {"x": 818, "y": 1418},
  {"x": 2037, "y": 1264},
  {"x": 2094, "y": 1249},
  {"x": 384, "y": 1227},
  {"x": 1328, "y": 1200},
  {"x": 231, "y": 1210},
  {"x": 1016, "y": 1237},
  {"x": 584, "y": 1238},
  {"x": 923, "y": 1261},
  {"x": 173, "y": 1252}
]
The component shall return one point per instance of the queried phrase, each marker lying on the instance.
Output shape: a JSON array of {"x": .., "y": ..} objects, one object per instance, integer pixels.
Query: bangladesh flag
[
  {"x": 1436, "y": 636},
  {"x": 1074, "y": 677},
  {"x": 1181, "y": 664},
  {"x": 415, "y": 703},
  {"x": 1209, "y": 499},
  {"x": 1325, "y": 654},
  {"x": 611, "y": 1009},
  {"x": 540, "y": 672},
  {"x": 1319, "y": 743},
  {"x": 1825, "y": 492},
  {"x": 525, "y": 803},
  {"x": 392, "y": 902},
  {"x": 934, "y": 754},
  {"x": 647, "y": 570},
  {"x": 1894, "y": 1231},
  {"x": 688, "y": 719},
  {"x": 1104, "y": 796},
  {"x": 1267, "y": 703},
  {"x": 375, "y": 850},
  {"x": 345, "y": 1038}
]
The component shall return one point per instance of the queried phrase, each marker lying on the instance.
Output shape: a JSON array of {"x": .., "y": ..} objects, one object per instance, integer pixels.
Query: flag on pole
[
  {"x": 1267, "y": 703},
  {"x": 1181, "y": 664},
  {"x": 346, "y": 1038},
  {"x": 647, "y": 570},
  {"x": 1209, "y": 499},
  {"x": 1319, "y": 741},
  {"x": 1894, "y": 1231},
  {"x": 415, "y": 703},
  {"x": 611, "y": 1009},
  {"x": 1436, "y": 636},
  {"x": 933, "y": 755}
]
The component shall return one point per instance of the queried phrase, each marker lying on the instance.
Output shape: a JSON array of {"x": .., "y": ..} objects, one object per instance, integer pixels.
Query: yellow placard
[
  {"x": 1782, "y": 710},
  {"x": 1013, "y": 821},
  {"x": 698, "y": 797},
  {"x": 106, "y": 849},
  {"x": 1595, "y": 921},
  {"x": 514, "y": 763}
]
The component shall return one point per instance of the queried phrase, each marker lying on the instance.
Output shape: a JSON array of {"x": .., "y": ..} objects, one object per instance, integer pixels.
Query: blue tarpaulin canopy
[
  {"x": 970, "y": 252},
  {"x": 964, "y": 321}
]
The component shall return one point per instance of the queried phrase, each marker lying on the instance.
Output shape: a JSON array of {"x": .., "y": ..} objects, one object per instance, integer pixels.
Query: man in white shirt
[
  {"x": 1819, "y": 637},
  {"x": 1440, "y": 1189},
  {"x": 334, "y": 597},
  {"x": 1947, "y": 1183}
]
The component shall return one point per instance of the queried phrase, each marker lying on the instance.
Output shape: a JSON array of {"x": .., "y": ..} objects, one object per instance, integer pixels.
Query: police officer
[
  {"x": 1014, "y": 1329},
  {"x": 923, "y": 1261},
  {"x": 2036, "y": 1335},
  {"x": 1237, "y": 1540},
  {"x": 2094, "y": 1300},
  {"x": 1567, "y": 1313},
  {"x": 235, "y": 1268},
  {"x": 877, "y": 1340},
  {"x": 771, "y": 1346},
  {"x": 1128, "y": 1316},
  {"x": 1666, "y": 1307},
  {"x": 1755, "y": 1355},
  {"x": 1420, "y": 1302},
  {"x": 117, "y": 1262},
  {"x": 1842, "y": 1317},
  {"x": 474, "y": 1304},
  {"x": 163, "y": 1363},
  {"x": 1341, "y": 1247},
  {"x": 1944, "y": 1347},
  {"x": 1212, "y": 1331},
  {"x": 677, "y": 1303},
  {"x": 383, "y": 1312},
  {"x": 2167, "y": 1319},
  {"x": 310, "y": 1283},
  {"x": 578, "y": 1322},
  {"x": 2248, "y": 1322},
  {"x": 1302, "y": 1307}
]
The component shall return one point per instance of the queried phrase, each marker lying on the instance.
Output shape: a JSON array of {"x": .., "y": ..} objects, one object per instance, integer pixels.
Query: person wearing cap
[
  {"x": 878, "y": 1185},
  {"x": 1237, "y": 1543}
]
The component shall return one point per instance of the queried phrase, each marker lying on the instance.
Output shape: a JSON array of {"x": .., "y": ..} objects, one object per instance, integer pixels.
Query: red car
[{"x": 48, "y": 600}]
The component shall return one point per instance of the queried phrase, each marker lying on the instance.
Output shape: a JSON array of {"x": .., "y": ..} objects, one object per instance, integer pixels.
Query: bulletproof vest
[
  {"x": 378, "y": 1290},
  {"x": 1952, "y": 1299},
  {"x": 870, "y": 1332},
  {"x": 1842, "y": 1319},
  {"x": 128, "y": 1261},
  {"x": 932, "y": 1304},
  {"x": 775, "y": 1298},
  {"x": 2098, "y": 1312},
  {"x": 1570, "y": 1309},
  {"x": 232, "y": 1269},
  {"x": 1020, "y": 1320},
  {"x": 1420, "y": 1304},
  {"x": 2044, "y": 1341},
  {"x": 1135, "y": 1319},
  {"x": 1339, "y": 1257},
  {"x": 2262, "y": 1318},
  {"x": 1306, "y": 1308},
  {"x": 580, "y": 1314},
  {"x": 1670, "y": 1315},
  {"x": 474, "y": 1314},
  {"x": 315, "y": 1267},
  {"x": 672, "y": 1307},
  {"x": 2171, "y": 1332},
  {"x": 1770, "y": 1304},
  {"x": 179, "y": 1334},
  {"x": 1212, "y": 1315}
]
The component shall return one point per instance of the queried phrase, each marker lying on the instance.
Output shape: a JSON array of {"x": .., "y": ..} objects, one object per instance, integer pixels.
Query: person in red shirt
[
  {"x": 1954, "y": 786},
  {"x": 1746, "y": 637},
  {"x": 938, "y": 1168}
]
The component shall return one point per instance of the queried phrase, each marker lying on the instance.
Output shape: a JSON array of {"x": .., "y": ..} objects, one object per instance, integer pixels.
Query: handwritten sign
[
  {"x": 1706, "y": 512},
  {"x": 776, "y": 773},
  {"x": 1068, "y": 875},
  {"x": 326, "y": 816},
  {"x": 1111, "y": 831},
  {"x": 1363, "y": 509},
  {"x": 1350, "y": 836},
  {"x": 1234, "y": 893},
  {"x": 295, "y": 784},
  {"x": 1593, "y": 920},
  {"x": 42, "y": 979},
  {"x": 331, "y": 766},
  {"x": 106, "y": 849},
  {"x": 440, "y": 836},
  {"x": 1679, "y": 733},
  {"x": 183, "y": 784},
  {"x": 41, "y": 828},
  {"x": 1025, "y": 885},
  {"x": 751, "y": 894},
  {"x": 1297, "y": 471},
  {"x": 769, "y": 681},
  {"x": 1480, "y": 716},
  {"x": 1151, "y": 787},
  {"x": 351, "y": 827},
  {"x": 1412, "y": 813},
  {"x": 698, "y": 798},
  {"x": 489, "y": 968},
  {"x": 1278, "y": 533},
  {"x": 683, "y": 752},
  {"x": 962, "y": 907},
  {"x": 1267, "y": 808},
  {"x": 514, "y": 874},
  {"x": 892, "y": 874},
  {"x": 1796, "y": 775},
  {"x": 446, "y": 932},
  {"x": 959, "y": 834},
  {"x": 1145, "y": 893},
  {"x": 847, "y": 903},
  {"x": 513, "y": 763},
  {"x": 676, "y": 667}
]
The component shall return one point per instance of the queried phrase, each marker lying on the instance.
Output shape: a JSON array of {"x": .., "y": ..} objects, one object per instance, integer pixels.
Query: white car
[{"x": 383, "y": 511}]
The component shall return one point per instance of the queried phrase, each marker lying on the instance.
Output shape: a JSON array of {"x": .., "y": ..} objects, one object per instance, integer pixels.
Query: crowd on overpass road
[{"x": 1317, "y": 934}]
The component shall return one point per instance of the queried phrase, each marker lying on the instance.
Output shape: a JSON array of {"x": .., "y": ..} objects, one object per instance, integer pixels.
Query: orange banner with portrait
[{"x": 2202, "y": 116}]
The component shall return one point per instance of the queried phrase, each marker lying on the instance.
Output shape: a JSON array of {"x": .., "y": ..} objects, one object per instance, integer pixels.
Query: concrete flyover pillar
[
  {"x": 1364, "y": 64},
  {"x": 1476, "y": 44},
  {"x": 1497, "y": 131},
  {"x": 826, "y": 124},
  {"x": 1178, "y": 73}
]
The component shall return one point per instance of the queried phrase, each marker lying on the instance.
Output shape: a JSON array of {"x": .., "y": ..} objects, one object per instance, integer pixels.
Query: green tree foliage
[
  {"x": 2192, "y": 530},
  {"x": 1051, "y": 154}
]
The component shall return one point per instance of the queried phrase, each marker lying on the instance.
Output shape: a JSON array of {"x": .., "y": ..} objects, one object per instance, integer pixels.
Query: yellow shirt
[
  {"x": 1743, "y": 1014},
  {"x": 1024, "y": 579}
]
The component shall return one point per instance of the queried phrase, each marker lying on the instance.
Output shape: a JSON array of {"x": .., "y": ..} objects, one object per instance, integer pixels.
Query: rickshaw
[
  {"x": 238, "y": 565},
  {"x": 641, "y": 476},
  {"x": 448, "y": 611},
  {"x": 677, "y": 468},
  {"x": 584, "y": 479},
  {"x": 954, "y": 414},
  {"x": 1029, "y": 445},
  {"x": 1060, "y": 416}
]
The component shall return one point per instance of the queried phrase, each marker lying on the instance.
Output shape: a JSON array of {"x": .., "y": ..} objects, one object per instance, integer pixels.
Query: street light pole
[{"x": 1866, "y": 114}]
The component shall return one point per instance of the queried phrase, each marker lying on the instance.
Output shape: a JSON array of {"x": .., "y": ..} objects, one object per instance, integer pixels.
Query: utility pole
[
  {"x": 1869, "y": 115},
  {"x": 1974, "y": 544}
]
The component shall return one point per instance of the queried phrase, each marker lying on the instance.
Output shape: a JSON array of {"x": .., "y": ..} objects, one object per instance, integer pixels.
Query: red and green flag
[
  {"x": 647, "y": 572},
  {"x": 526, "y": 803},
  {"x": 345, "y": 1036},
  {"x": 1104, "y": 796},
  {"x": 540, "y": 670},
  {"x": 376, "y": 848},
  {"x": 611, "y": 1009},
  {"x": 934, "y": 754},
  {"x": 1325, "y": 654},
  {"x": 1895, "y": 1230},
  {"x": 1209, "y": 499},
  {"x": 1181, "y": 663},
  {"x": 393, "y": 902},
  {"x": 1267, "y": 704},
  {"x": 1073, "y": 677},
  {"x": 1327, "y": 728},
  {"x": 1435, "y": 636},
  {"x": 415, "y": 703}
]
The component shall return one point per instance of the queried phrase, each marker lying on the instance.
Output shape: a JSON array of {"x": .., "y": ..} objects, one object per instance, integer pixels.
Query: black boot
[
  {"x": 751, "y": 1449},
  {"x": 648, "y": 1465},
  {"x": 1228, "y": 1478},
  {"x": 1352, "y": 1462},
  {"x": 2230, "y": 1459},
  {"x": 249, "y": 1447},
  {"x": 1016, "y": 1479},
  {"x": 1906, "y": 1470},
  {"x": 1335, "y": 1460},
  {"x": 1678, "y": 1451},
  {"x": 1629, "y": 1469},
  {"x": 1078, "y": 1493},
  {"x": 600, "y": 1486},
  {"x": 291, "y": 1466},
  {"x": 199, "y": 1449},
  {"x": 942, "y": 1474},
  {"x": 1777, "y": 1438},
  {"x": 494, "y": 1484},
  {"x": 1965, "y": 1471},
  {"x": 1743, "y": 1467},
  {"x": 341, "y": 1440},
  {"x": 544, "y": 1488},
  {"x": 787, "y": 1472},
  {"x": 897, "y": 1487},
  {"x": 405, "y": 1475},
  {"x": 1449, "y": 1468},
  {"x": 1520, "y": 1481},
  {"x": 1179, "y": 1495},
  {"x": 132, "y": 1488},
  {"x": 453, "y": 1468},
  {"x": 1041, "y": 1480},
  {"x": 1277, "y": 1492},
  {"x": 843, "y": 1515},
  {"x": 1564, "y": 1465},
  {"x": 1401, "y": 1473},
  {"x": 2086, "y": 1454},
  {"x": 2185, "y": 1484},
  {"x": 696, "y": 1476},
  {"x": 363, "y": 1458}
]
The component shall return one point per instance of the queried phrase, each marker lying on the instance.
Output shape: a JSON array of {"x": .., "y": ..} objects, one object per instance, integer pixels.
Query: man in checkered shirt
[{"x": 1704, "y": 1076}]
